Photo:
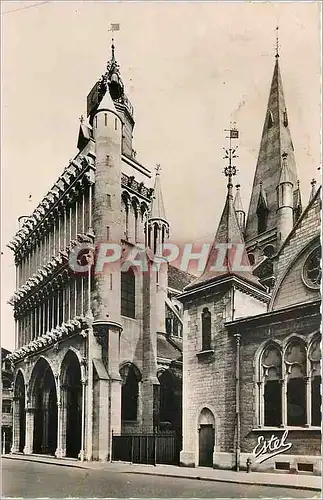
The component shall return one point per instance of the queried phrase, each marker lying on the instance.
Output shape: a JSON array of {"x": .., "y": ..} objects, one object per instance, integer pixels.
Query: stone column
[
  {"x": 59, "y": 451},
  {"x": 30, "y": 420},
  {"x": 15, "y": 425},
  {"x": 150, "y": 381},
  {"x": 308, "y": 402}
]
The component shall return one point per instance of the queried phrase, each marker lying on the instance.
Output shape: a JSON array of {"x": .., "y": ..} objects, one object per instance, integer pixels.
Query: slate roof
[{"x": 178, "y": 279}]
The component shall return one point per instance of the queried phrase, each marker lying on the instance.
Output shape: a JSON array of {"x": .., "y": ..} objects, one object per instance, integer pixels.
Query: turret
[
  {"x": 241, "y": 215},
  {"x": 284, "y": 202},
  {"x": 157, "y": 225},
  {"x": 313, "y": 190},
  {"x": 157, "y": 233},
  {"x": 106, "y": 297}
]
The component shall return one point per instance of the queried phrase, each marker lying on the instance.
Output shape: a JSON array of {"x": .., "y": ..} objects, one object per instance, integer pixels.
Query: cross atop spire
[
  {"x": 277, "y": 42},
  {"x": 158, "y": 169}
]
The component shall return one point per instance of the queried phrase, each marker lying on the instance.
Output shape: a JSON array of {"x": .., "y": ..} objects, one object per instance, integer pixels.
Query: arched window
[
  {"x": 297, "y": 369},
  {"x": 206, "y": 329},
  {"x": 271, "y": 366},
  {"x": 128, "y": 286},
  {"x": 315, "y": 374},
  {"x": 129, "y": 393},
  {"x": 295, "y": 362}
]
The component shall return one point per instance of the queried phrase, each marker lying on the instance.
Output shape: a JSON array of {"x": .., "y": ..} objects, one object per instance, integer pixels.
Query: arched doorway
[
  {"x": 19, "y": 412},
  {"x": 44, "y": 402},
  {"x": 206, "y": 431},
  {"x": 71, "y": 404}
]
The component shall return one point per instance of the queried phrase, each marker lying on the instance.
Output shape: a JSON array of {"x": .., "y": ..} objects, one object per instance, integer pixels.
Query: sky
[{"x": 189, "y": 68}]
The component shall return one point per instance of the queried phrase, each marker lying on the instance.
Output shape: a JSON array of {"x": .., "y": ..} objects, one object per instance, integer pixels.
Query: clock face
[{"x": 312, "y": 269}]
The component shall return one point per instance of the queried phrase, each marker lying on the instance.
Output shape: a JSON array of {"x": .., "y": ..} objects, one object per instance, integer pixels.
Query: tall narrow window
[
  {"x": 295, "y": 361},
  {"x": 315, "y": 372},
  {"x": 271, "y": 367},
  {"x": 128, "y": 285},
  {"x": 105, "y": 119},
  {"x": 262, "y": 214},
  {"x": 129, "y": 393},
  {"x": 206, "y": 329}
]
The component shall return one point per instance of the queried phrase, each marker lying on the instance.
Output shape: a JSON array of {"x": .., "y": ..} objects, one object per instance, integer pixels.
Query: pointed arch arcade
[
  {"x": 43, "y": 396},
  {"x": 19, "y": 413},
  {"x": 71, "y": 405}
]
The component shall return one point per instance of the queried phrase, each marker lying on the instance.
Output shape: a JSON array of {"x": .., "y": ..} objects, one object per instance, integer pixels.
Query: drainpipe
[{"x": 237, "y": 337}]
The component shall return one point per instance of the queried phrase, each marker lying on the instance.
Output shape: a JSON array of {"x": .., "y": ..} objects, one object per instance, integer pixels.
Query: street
[{"x": 33, "y": 480}]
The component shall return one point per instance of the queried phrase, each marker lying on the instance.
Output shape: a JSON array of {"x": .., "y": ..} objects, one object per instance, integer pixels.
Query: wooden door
[{"x": 206, "y": 445}]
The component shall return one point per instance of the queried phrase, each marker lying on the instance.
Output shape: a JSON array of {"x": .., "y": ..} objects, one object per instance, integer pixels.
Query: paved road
[{"x": 34, "y": 480}]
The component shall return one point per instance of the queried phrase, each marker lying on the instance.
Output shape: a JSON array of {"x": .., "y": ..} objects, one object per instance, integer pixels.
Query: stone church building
[
  {"x": 97, "y": 353},
  {"x": 251, "y": 359}
]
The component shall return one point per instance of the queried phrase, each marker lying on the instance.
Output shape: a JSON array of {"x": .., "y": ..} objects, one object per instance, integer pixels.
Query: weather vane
[
  {"x": 158, "y": 169},
  {"x": 230, "y": 153}
]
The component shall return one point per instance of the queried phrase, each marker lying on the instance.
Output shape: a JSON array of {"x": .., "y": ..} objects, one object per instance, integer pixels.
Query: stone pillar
[
  {"x": 161, "y": 295},
  {"x": 59, "y": 451},
  {"x": 63, "y": 418},
  {"x": 115, "y": 379},
  {"x": 15, "y": 425},
  {"x": 30, "y": 420},
  {"x": 188, "y": 453},
  {"x": 149, "y": 339}
]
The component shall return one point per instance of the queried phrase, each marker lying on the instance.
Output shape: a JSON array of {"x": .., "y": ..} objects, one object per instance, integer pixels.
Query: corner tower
[{"x": 276, "y": 141}]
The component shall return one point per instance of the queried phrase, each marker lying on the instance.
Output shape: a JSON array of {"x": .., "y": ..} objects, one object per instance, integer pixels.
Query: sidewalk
[{"x": 296, "y": 481}]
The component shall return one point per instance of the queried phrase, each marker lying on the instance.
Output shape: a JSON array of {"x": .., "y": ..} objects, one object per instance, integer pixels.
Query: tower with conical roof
[
  {"x": 263, "y": 226},
  {"x": 157, "y": 225},
  {"x": 225, "y": 291}
]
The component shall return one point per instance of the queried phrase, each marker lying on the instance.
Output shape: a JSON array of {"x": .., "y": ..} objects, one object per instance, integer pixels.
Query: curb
[
  {"x": 229, "y": 480},
  {"x": 30, "y": 459},
  {"x": 163, "y": 474}
]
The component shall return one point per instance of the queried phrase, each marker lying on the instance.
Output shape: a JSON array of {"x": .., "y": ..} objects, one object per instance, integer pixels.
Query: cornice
[
  {"x": 80, "y": 325},
  {"x": 60, "y": 195},
  {"x": 137, "y": 188}
]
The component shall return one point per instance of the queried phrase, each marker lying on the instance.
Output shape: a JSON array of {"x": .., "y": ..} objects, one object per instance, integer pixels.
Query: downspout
[{"x": 238, "y": 437}]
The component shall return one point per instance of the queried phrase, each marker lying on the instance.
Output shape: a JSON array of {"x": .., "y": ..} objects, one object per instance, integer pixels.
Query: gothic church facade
[{"x": 97, "y": 353}]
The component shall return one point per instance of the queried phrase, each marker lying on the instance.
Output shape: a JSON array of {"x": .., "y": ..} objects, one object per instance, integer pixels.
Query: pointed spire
[
  {"x": 313, "y": 190},
  {"x": 229, "y": 235},
  {"x": 241, "y": 215},
  {"x": 228, "y": 232},
  {"x": 106, "y": 102},
  {"x": 157, "y": 206},
  {"x": 276, "y": 140},
  {"x": 237, "y": 200}
]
